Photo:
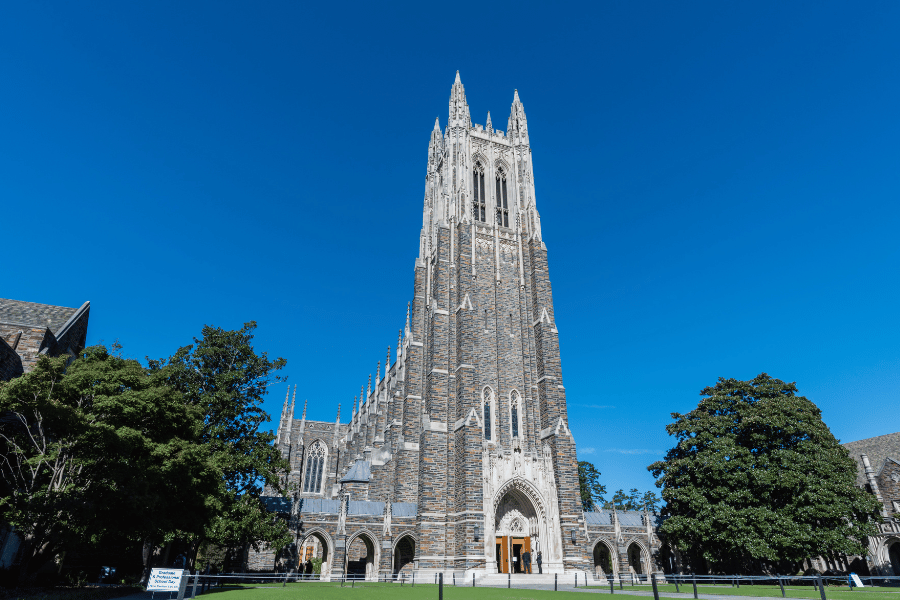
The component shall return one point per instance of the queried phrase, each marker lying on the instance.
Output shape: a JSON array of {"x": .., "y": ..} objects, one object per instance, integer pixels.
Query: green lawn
[
  {"x": 773, "y": 591},
  {"x": 389, "y": 591}
]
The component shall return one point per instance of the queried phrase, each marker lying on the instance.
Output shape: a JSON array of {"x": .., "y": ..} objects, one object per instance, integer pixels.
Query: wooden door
[
  {"x": 528, "y": 547},
  {"x": 503, "y": 542}
]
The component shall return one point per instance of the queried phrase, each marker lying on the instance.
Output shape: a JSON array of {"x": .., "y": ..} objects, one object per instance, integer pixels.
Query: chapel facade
[{"x": 459, "y": 458}]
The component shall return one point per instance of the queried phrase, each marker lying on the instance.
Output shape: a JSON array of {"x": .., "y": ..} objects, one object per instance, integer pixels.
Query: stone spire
[
  {"x": 337, "y": 427},
  {"x": 387, "y": 362},
  {"x": 303, "y": 418},
  {"x": 517, "y": 127},
  {"x": 290, "y": 418},
  {"x": 378, "y": 373},
  {"x": 361, "y": 397},
  {"x": 488, "y": 127},
  {"x": 284, "y": 410},
  {"x": 354, "y": 409},
  {"x": 459, "y": 108},
  {"x": 407, "y": 318},
  {"x": 399, "y": 344},
  {"x": 369, "y": 386}
]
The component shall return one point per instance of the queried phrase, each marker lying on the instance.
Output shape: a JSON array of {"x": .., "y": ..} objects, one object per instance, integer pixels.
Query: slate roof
[
  {"x": 404, "y": 509},
  {"x": 18, "y": 312},
  {"x": 277, "y": 504},
  {"x": 360, "y": 472},
  {"x": 878, "y": 449},
  {"x": 320, "y": 505},
  {"x": 627, "y": 518},
  {"x": 359, "y": 507}
]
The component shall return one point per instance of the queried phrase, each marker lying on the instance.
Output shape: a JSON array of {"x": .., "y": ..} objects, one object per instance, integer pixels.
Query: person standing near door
[
  {"x": 538, "y": 560},
  {"x": 526, "y": 562}
]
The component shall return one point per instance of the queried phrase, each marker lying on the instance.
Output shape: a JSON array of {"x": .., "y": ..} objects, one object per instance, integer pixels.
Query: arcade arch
[
  {"x": 638, "y": 558},
  {"x": 603, "y": 559},
  {"x": 894, "y": 555},
  {"x": 404, "y": 555},
  {"x": 316, "y": 544},
  {"x": 362, "y": 555}
]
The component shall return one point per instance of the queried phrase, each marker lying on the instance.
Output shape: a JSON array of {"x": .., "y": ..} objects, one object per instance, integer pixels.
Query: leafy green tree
[
  {"x": 757, "y": 476},
  {"x": 650, "y": 502},
  {"x": 226, "y": 380},
  {"x": 592, "y": 491},
  {"x": 95, "y": 451}
]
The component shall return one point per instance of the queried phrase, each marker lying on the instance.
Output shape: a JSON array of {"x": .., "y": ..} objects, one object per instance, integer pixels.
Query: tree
[
  {"x": 756, "y": 475},
  {"x": 634, "y": 500},
  {"x": 592, "y": 491},
  {"x": 96, "y": 450},
  {"x": 222, "y": 375}
]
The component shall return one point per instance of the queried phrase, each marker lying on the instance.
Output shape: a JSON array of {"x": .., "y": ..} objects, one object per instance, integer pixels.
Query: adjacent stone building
[
  {"x": 28, "y": 330},
  {"x": 878, "y": 472},
  {"x": 459, "y": 458}
]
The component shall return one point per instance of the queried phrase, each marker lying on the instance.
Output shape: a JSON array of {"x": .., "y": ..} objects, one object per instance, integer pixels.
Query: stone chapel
[{"x": 459, "y": 457}]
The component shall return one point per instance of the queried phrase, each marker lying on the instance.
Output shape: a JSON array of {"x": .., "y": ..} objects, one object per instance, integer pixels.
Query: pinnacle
[
  {"x": 437, "y": 124},
  {"x": 457, "y": 77},
  {"x": 516, "y": 96}
]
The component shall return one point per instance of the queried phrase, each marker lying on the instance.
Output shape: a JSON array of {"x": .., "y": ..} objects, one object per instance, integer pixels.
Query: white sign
[
  {"x": 164, "y": 580},
  {"x": 856, "y": 580}
]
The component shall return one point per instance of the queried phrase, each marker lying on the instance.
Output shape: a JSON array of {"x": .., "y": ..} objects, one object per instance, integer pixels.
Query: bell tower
[{"x": 497, "y": 468}]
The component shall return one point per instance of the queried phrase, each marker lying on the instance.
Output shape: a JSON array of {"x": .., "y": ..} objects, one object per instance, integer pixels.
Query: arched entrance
[
  {"x": 894, "y": 556},
  {"x": 603, "y": 565},
  {"x": 516, "y": 531},
  {"x": 313, "y": 557},
  {"x": 361, "y": 559},
  {"x": 634, "y": 559},
  {"x": 404, "y": 554}
]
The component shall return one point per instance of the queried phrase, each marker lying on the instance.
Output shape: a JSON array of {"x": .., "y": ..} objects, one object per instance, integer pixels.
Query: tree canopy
[
  {"x": 634, "y": 500},
  {"x": 756, "y": 475},
  {"x": 96, "y": 450},
  {"x": 223, "y": 377},
  {"x": 592, "y": 491}
]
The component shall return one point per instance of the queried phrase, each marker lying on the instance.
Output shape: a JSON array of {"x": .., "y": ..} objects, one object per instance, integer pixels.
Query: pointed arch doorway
[{"x": 517, "y": 531}]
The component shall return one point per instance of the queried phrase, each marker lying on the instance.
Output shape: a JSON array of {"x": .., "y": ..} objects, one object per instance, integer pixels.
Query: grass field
[
  {"x": 389, "y": 591},
  {"x": 385, "y": 591},
  {"x": 773, "y": 591}
]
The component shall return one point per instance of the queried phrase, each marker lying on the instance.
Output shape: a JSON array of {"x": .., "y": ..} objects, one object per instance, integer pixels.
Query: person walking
[
  {"x": 526, "y": 562},
  {"x": 539, "y": 561}
]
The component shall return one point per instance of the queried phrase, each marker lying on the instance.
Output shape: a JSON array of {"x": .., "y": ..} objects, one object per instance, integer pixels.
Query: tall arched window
[
  {"x": 478, "y": 204},
  {"x": 502, "y": 203},
  {"x": 315, "y": 468},
  {"x": 515, "y": 413},
  {"x": 488, "y": 407}
]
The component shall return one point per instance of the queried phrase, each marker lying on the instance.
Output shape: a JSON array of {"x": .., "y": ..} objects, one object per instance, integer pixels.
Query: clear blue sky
[{"x": 718, "y": 184}]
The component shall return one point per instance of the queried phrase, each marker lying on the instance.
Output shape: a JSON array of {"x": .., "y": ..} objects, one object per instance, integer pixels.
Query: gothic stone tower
[
  {"x": 461, "y": 454},
  {"x": 496, "y": 457}
]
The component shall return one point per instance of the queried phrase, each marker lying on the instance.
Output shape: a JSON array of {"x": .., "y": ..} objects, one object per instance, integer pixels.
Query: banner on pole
[{"x": 854, "y": 578}]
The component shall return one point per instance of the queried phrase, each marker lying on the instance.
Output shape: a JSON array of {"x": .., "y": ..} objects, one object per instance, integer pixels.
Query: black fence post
[
  {"x": 781, "y": 585},
  {"x": 612, "y": 586},
  {"x": 508, "y": 580},
  {"x": 694, "y": 581},
  {"x": 440, "y": 586},
  {"x": 473, "y": 579},
  {"x": 576, "y": 580},
  {"x": 555, "y": 577},
  {"x": 821, "y": 586},
  {"x": 653, "y": 583},
  {"x": 677, "y": 589}
]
